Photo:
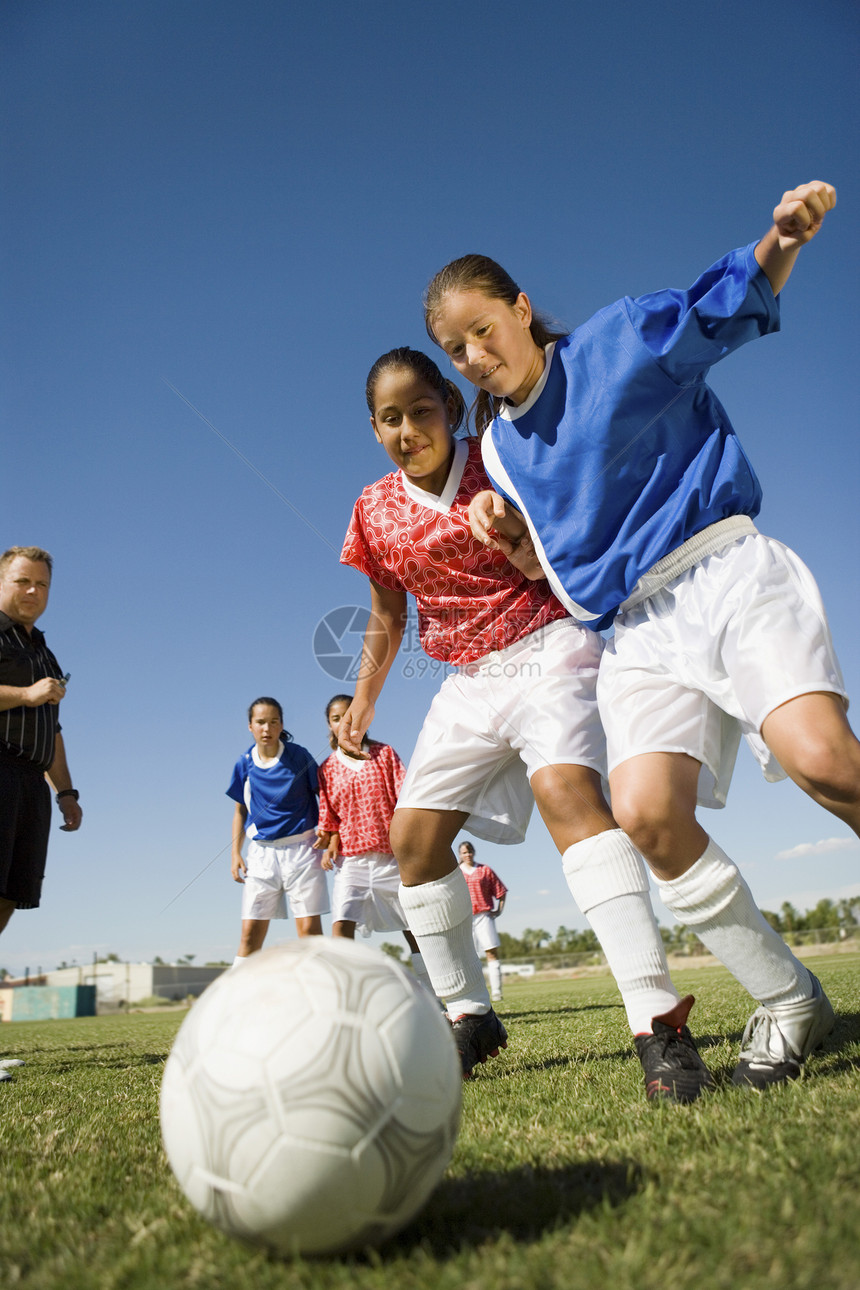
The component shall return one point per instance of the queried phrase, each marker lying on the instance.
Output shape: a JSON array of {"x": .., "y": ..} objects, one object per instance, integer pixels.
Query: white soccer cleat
[{"x": 776, "y": 1041}]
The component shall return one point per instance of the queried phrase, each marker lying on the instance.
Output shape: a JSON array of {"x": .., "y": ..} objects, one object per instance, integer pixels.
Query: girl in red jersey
[
  {"x": 357, "y": 800},
  {"x": 518, "y": 712}
]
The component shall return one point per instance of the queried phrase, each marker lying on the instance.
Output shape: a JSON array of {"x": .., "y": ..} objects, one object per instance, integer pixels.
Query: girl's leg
[
  {"x": 422, "y": 841},
  {"x": 419, "y": 967},
  {"x": 654, "y": 796},
  {"x": 252, "y": 937},
  {"x": 438, "y": 908},
  {"x": 437, "y": 905},
  {"x": 609, "y": 883},
  {"x": 813, "y": 742},
  {"x": 494, "y": 972},
  {"x": 310, "y": 925},
  {"x": 654, "y": 800},
  {"x": 344, "y": 928}
]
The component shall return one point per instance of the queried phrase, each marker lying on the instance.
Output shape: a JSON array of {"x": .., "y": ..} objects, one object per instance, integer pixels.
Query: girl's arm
[
  {"x": 331, "y": 843},
  {"x": 382, "y": 639},
  {"x": 796, "y": 220},
  {"x": 238, "y": 868}
]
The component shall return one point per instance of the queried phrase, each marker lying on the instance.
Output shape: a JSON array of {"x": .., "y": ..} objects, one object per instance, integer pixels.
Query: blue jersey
[
  {"x": 280, "y": 799},
  {"x": 622, "y": 451}
]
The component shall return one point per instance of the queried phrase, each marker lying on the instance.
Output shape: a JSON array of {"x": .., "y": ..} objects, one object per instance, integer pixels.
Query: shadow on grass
[
  {"x": 831, "y": 1058},
  {"x": 534, "y": 1017},
  {"x": 524, "y": 1204},
  {"x": 125, "y": 1061}
]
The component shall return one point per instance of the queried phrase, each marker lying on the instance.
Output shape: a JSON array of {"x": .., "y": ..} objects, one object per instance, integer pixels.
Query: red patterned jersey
[
  {"x": 470, "y": 599},
  {"x": 357, "y": 799},
  {"x": 485, "y": 887}
]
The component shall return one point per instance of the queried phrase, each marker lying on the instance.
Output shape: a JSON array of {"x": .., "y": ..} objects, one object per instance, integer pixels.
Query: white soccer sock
[
  {"x": 608, "y": 880},
  {"x": 419, "y": 971},
  {"x": 713, "y": 900},
  {"x": 240, "y": 958},
  {"x": 494, "y": 972},
  {"x": 439, "y": 915}
]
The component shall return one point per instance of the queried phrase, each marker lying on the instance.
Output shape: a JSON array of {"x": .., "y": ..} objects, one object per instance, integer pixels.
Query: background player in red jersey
[
  {"x": 357, "y": 800},
  {"x": 485, "y": 888}
]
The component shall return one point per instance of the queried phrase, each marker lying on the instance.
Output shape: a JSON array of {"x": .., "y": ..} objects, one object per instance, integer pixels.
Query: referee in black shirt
[{"x": 31, "y": 745}]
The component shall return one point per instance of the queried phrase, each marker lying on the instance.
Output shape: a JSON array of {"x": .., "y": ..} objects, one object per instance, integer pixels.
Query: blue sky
[{"x": 216, "y": 217}]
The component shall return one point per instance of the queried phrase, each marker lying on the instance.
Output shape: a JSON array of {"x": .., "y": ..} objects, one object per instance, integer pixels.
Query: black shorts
[{"x": 25, "y": 822}]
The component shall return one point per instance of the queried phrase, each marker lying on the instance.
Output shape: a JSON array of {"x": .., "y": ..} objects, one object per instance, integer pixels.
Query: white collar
[
  {"x": 352, "y": 763},
  {"x": 266, "y": 763},
  {"x": 509, "y": 412},
  {"x": 445, "y": 500}
]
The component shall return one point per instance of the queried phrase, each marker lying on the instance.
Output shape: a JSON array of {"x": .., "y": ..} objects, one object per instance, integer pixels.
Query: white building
[{"x": 125, "y": 983}]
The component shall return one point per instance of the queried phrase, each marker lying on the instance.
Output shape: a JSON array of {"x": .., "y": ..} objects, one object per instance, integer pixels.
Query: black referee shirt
[{"x": 27, "y": 733}]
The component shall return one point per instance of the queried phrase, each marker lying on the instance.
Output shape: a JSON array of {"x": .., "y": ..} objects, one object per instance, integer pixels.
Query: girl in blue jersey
[
  {"x": 274, "y": 785},
  {"x": 640, "y": 503}
]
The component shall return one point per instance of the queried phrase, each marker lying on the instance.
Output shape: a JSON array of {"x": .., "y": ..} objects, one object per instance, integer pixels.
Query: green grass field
[{"x": 563, "y": 1175}]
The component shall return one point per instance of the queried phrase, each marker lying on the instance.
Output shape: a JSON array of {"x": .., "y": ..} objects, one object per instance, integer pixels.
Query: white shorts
[
  {"x": 495, "y": 722},
  {"x": 285, "y": 867},
  {"x": 366, "y": 892},
  {"x": 484, "y": 933},
  {"x": 706, "y": 658}
]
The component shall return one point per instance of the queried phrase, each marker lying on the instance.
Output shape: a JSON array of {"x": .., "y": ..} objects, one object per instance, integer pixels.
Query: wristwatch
[{"x": 67, "y": 792}]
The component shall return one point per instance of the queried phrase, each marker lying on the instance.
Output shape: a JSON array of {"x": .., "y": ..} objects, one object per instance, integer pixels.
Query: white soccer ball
[{"x": 311, "y": 1101}]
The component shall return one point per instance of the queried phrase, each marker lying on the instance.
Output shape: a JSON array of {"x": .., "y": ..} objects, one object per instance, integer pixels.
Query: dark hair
[
  {"x": 422, "y": 366},
  {"x": 468, "y": 847},
  {"x": 337, "y": 698},
  {"x": 347, "y": 699},
  {"x": 480, "y": 273},
  {"x": 269, "y": 702}
]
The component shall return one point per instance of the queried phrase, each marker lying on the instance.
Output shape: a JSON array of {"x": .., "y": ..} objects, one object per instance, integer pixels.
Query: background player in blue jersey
[
  {"x": 274, "y": 786},
  {"x": 640, "y": 502}
]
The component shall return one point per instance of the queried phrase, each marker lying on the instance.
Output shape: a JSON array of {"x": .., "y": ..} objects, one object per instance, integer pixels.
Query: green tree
[
  {"x": 534, "y": 939},
  {"x": 849, "y": 912},
  {"x": 562, "y": 939},
  {"x": 824, "y": 915},
  {"x": 510, "y": 947},
  {"x": 791, "y": 919},
  {"x": 393, "y": 951}
]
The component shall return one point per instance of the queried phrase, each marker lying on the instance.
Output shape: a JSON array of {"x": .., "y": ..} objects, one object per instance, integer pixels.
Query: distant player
[
  {"x": 485, "y": 889},
  {"x": 357, "y": 800},
  {"x": 274, "y": 786}
]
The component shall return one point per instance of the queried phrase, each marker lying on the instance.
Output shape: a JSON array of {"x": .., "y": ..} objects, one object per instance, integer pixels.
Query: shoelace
[
  {"x": 762, "y": 1037},
  {"x": 677, "y": 1040}
]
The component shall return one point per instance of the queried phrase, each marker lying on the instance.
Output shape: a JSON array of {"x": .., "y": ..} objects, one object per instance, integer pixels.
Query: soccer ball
[{"x": 311, "y": 1101}]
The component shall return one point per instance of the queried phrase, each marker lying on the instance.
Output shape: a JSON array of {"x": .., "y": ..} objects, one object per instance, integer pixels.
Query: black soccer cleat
[
  {"x": 674, "y": 1071},
  {"x": 478, "y": 1036}
]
